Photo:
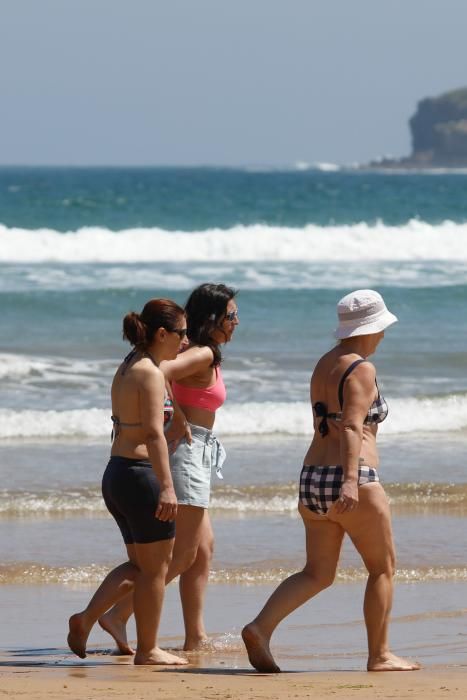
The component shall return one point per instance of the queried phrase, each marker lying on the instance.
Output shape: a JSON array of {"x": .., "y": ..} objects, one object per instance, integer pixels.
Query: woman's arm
[
  {"x": 359, "y": 391},
  {"x": 187, "y": 363},
  {"x": 152, "y": 392},
  {"x": 178, "y": 427}
]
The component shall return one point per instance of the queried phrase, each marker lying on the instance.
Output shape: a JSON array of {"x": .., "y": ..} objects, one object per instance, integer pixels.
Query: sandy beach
[
  {"x": 41, "y": 679},
  {"x": 317, "y": 660}
]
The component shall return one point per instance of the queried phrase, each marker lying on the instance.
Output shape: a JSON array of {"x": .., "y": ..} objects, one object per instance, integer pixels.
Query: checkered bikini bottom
[{"x": 320, "y": 486}]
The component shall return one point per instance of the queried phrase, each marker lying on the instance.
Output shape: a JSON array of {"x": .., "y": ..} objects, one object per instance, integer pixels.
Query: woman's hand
[
  {"x": 176, "y": 433},
  {"x": 177, "y": 430},
  {"x": 187, "y": 434},
  {"x": 348, "y": 497},
  {"x": 167, "y": 508}
]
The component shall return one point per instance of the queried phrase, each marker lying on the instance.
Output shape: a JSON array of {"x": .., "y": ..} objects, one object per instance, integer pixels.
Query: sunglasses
[
  {"x": 232, "y": 315},
  {"x": 181, "y": 332}
]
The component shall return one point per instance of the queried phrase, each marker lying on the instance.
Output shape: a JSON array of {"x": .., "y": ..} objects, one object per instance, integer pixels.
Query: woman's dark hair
[
  {"x": 139, "y": 329},
  {"x": 205, "y": 310}
]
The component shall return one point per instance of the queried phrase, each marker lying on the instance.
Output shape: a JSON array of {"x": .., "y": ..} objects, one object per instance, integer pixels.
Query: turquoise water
[
  {"x": 195, "y": 199},
  {"x": 81, "y": 247}
]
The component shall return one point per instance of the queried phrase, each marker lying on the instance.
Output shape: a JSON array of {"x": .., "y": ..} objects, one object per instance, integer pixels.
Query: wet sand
[
  {"x": 42, "y": 679},
  {"x": 429, "y": 624}
]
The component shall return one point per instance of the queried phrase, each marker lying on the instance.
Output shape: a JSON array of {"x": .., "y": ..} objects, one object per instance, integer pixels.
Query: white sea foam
[
  {"x": 91, "y": 422},
  {"x": 260, "y": 275},
  {"x": 413, "y": 241},
  {"x": 252, "y": 499},
  {"x": 53, "y": 381},
  {"x": 22, "y": 367},
  {"x": 327, "y": 167},
  {"x": 408, "y": 415}
]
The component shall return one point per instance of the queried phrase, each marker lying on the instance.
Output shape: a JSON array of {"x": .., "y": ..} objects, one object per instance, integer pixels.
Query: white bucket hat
[{"x": 361, "y": 313}]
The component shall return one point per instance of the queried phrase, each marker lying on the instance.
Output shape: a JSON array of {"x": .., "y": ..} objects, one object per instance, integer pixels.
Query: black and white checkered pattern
[
  {"x": 378, "y": 410},
  {"x": 320, "y": 486}
]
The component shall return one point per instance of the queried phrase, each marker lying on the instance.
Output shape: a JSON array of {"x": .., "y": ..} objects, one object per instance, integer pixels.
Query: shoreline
[
  {"x": 107, "y": 680},
  {"x": 328, "y": 634}
]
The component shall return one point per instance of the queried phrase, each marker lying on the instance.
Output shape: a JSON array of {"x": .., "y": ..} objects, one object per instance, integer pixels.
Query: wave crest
[
  {"x": 228, "y": 500},
  {"x": 415, "y": 240},
  {"x": 408, "y": 415}
]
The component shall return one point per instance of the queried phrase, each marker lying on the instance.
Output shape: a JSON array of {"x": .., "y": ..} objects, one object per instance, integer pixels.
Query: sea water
[{"x": 79, "y": 248}]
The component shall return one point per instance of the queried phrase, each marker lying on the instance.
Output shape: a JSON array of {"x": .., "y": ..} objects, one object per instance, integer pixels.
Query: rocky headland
[{"x": 439, "y": 134}]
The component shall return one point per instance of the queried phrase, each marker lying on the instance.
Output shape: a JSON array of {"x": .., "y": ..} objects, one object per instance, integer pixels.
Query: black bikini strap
[
  {"x": 127, "y": 360},
  {"x": 349, "y": 369},
  {"x": 115, "y": 427}
]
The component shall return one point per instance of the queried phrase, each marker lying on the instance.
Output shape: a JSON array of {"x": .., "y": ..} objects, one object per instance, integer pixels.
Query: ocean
[{"x": 81, "y": 247}]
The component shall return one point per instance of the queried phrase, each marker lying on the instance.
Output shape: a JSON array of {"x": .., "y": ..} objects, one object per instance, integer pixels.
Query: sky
[{"x": 220, "y": 82}]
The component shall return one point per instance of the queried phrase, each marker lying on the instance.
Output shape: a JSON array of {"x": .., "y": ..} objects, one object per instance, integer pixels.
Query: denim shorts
[{"x": 191, "y": 467}]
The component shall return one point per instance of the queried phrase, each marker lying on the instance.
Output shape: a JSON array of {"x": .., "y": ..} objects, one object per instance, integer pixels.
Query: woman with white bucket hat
[{"x": 340, "y": 491}]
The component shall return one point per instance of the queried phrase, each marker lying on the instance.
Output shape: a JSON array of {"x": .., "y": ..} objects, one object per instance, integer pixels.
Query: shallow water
[{"x": 327, "y": 634}]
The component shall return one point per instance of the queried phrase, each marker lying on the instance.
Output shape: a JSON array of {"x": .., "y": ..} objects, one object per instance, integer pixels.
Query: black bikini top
[{"x": 377, "y": 412}]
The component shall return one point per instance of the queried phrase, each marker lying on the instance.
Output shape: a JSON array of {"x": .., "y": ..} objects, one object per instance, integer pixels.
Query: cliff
[{"x": 439, "y": 133}]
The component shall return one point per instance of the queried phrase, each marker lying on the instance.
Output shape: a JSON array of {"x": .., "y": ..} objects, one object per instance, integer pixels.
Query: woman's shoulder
[
  {"x": 356, "y": 363},
  {"x": 360, "y": 375},
  {"x": 142, "y": 376},
  {"x": 144, "y": 370},
  {"x": 333, "y": 365}
]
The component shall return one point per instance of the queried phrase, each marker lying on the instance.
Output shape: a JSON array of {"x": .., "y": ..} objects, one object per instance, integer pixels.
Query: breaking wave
[
  {"x": 408, "y": 415},
  {"x": 250, "y": 499},
  {"x": 413, "y": 241}
]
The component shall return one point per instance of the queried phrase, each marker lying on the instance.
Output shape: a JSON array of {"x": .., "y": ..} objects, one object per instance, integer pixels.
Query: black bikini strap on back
[
  {"x": 115, "y": 427},
  {"x": 349, "y": 369},
  {"x": 127, "y": 360},
  {"x": 321, "y": 411}
]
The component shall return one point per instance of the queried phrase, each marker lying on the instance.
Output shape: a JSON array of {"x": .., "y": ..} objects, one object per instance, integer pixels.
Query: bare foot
[
  {"x": 196, "y": 644},
  {"x": 158, "y": 656},
  {"x": 78, "y": 635},
  {"x": 117, "y": 629},
  {"x": 258, "y": 650},
  {"x": 391, "y": 662}
]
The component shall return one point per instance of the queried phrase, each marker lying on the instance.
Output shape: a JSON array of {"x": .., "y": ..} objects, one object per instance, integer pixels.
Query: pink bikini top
[{"x": 210, "y": 398}]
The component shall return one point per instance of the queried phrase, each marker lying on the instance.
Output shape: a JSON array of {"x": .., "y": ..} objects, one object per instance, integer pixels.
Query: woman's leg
[
  {"x": 323, "y": 546},
  {"x": 115, "y": 586},
  {"x": 148, "y": 596},
  {"x": 189, "y": 527},
  {"x": 369, "y": 527},
  {"x": 114, "y": 621},
  {"x": 193, "y": 583},
  {"x": 188, "y": 532},
  {"x": 115, "y": 625}
]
